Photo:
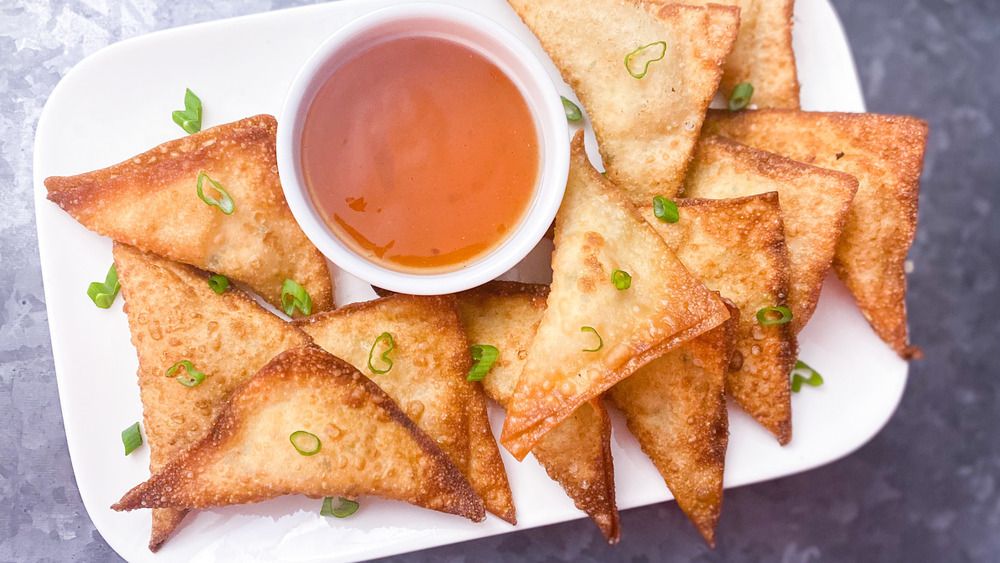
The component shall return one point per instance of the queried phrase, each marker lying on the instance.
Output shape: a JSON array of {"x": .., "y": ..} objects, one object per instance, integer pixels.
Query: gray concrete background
[{"x": 925, "y": 489}]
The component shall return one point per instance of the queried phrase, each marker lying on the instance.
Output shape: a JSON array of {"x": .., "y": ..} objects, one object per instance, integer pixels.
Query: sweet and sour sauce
[{"x": 420, "y": 154}]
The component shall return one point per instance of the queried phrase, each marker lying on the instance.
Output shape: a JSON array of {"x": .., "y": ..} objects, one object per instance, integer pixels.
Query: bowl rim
[{"x": 536, "y": 87}]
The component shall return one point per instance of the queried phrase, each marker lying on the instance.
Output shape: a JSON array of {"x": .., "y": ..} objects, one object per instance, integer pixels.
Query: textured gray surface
[{"x": 925, "y": 489}]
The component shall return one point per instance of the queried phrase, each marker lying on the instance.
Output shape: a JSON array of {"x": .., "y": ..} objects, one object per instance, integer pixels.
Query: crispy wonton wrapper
[
  {"x": 174, "y": 315},
  {"x": 762, "y": 54},
  {"x": 675, "y": 406},
  {"x": 593, "y": 335},
  {"x": 886, "y": 155},
  {"x": 151, "y": 202},
  {"x": 427, "y": 379},
  {"x": 814, "y": 205},
  {"x": 367, "y": 446},
  {"x": 736, "y": 247},
  {"x": 646, "y": 127},
  {"x": 577, "y": 452}
]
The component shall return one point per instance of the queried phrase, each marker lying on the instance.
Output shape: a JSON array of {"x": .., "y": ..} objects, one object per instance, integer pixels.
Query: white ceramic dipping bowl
[{"x": 497, "y": 45}]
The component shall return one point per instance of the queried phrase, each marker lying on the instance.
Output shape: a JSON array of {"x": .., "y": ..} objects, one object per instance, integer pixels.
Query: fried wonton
[
  {"x": 174, "y": 316},
  {"x": 886, "y": 155},
  {"x": 646, "y": 127},
  {"x": 762, "y": 54},
  {"x": 592, "y": 334},
  {"x": 151, "y": 202},
  {"x": 736, "y": 247},
  {"x": 577, "y": 452},
  {"x": 814, "y": 205},
  {"x": 675, "y": 406},
  {"x": 425, "y": 373},
  {"x": 365, "y": 446}
]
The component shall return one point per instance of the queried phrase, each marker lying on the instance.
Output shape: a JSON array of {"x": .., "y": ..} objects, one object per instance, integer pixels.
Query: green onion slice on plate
[
  {"x": 814, "y": 379},
  {"x": 572, "y": 110},
  {"x": 131, "y": 438},
  {"x": 306, "y": 443},
  {"x": 339, "y": 507},
  {"x": 484, "y": 355},
  {"x": 385, "y": 355},
  {"x": 103, "y": 294},
  {"x": 189, "y": 118}
]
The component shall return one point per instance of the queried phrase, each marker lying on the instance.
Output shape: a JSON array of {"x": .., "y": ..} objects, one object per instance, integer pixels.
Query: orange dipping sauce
[{"x": 420, "y": 154}]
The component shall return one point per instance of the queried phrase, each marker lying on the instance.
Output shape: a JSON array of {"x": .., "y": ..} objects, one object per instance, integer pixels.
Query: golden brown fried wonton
[
  {"x": 762, "y": 54},
  {"x": 675, "y": 406},
  {"x": 151, "y": 202},
  {"x": 814, "y": 205},
  {"x": 593, "y": 335},
  {"x": 736, "y": 247},
  {"x": 427, "y": 378},
  {"x": 367, "y": 446},
  {"x": 646, "y": 127},
  {"x": 174, "y": 315},
  {"x": 886, "y": 155},
  {"x": 577, "y": 452}
]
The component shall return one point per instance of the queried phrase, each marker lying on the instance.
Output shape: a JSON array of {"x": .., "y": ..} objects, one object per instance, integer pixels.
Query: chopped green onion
[
  {"x": 600, "y": 341},
  {"x": 814, "y": 378},
  {"x": 103, "y": 294},
  {"x": 572, "y": 110},
  {"x": 665, "y": 209},
  {"x": 621, "y": 279},
  {"x": 385, "y": 355},
  {"x": 294, "y": 296},
  {"x": 306, "y": 443},
  {"x": 645, "y": 69},
  {"x": 224, "y": 203},
  {"x": 131, "y": 438},
  {"x": 763, "y": 316},
  {"x": 484, "y": 355},
  {"x": 190, "y": 117},
  {"x": 343, "y": 508},
  {"x": 218, "y": 283},
  {"x": 839, "y": 155},
  {"x": 193, "y": 377},
  {"x": 740, "y": 98}
]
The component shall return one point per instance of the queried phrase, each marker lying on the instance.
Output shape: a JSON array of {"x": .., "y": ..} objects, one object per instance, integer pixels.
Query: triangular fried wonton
[
  {"x": 577, "y": 452},
  {"x": 675, "y": 406},
  {"x": 486, "y": 471},
  {"x": 886, "y": 155},
  {"x": 364, "y": 445},
  {"x": 646, "y": 127},
  {"x": 736, "y": 247},
  {"x": 762, "y": 54},
  {"x": 151, "y": 202},
  {"x": 175, "y": 316},
  {"x": 814, "y": 205},
  {"x": 430, "y": 362},
  {"x": 592, "y": 334}
]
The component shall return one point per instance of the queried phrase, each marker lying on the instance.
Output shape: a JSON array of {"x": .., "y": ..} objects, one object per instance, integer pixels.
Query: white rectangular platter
[{"x": 117, "y": 103}]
